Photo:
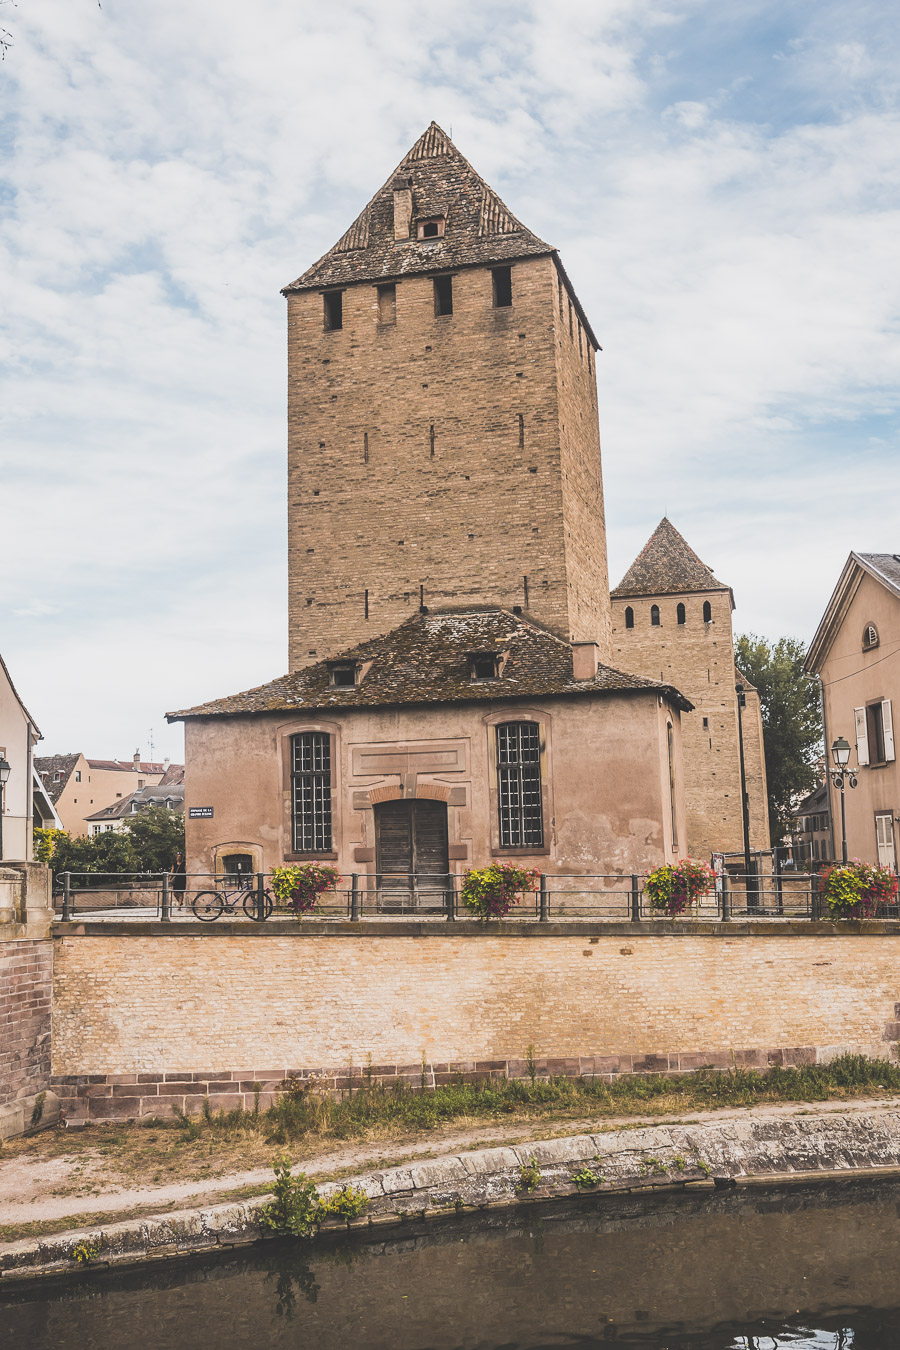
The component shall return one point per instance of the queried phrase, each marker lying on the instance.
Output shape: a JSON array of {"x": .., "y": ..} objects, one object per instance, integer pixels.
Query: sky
[{"x": 722, "y": 182}]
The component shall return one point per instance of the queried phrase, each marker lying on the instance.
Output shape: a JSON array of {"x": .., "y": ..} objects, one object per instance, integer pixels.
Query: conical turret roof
[
  {"x": 667, "y": 565},
  {"x": 479, "y": 227}
]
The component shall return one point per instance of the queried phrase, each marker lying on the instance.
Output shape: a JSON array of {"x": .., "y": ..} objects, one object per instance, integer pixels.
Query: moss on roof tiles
[{"x": 425, "y": 660}]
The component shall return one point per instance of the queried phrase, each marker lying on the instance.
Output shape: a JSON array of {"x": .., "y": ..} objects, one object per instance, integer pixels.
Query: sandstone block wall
[
  {"x": 698, "y": 658},
  {"x": 160, "y": 1016},
  {"x": 26, "y": 972},
  {"x": 425, "y": 461}
]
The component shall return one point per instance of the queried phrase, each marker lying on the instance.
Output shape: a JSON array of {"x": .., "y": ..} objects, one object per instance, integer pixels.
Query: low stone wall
[
  {"x": 630, "y": 1160},
  {"x": 147, "y": 1016}
]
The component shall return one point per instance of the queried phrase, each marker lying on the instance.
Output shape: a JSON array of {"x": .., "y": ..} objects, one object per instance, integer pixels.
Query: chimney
[
  {"x": 137, "y": 760},
  {"x": 402, "y": 207},
  {"x": 165, "y": 763},
  {"x": 584, "y": 660}
]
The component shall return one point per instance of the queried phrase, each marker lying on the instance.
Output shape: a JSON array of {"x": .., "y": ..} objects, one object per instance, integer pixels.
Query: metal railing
[{"x": 392, "y": 896}]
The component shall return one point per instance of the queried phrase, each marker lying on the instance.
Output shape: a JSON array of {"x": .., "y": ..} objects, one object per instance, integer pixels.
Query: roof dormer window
[
  {"x": 484, "y": 665},
  {"x": 431, "y": 228},
  {"x": 343, "y": 674}
]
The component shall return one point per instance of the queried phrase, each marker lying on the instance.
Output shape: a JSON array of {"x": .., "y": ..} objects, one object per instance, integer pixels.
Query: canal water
[{"x": 801, "y": 1266}]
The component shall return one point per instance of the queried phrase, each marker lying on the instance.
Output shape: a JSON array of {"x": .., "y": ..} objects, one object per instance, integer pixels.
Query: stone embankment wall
[
  {"x": 26, "y": 975},
  {"x": 147, "y": 1017},
  {"x": 615, "y": 1162}
]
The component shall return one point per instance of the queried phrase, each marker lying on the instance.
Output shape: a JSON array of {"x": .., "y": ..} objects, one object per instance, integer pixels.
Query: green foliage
[
  {"x": 529, "y": 1176},
  {"x": 673, "y": 888},
  {"x": 347, "y": 1203},
  {"x": 157, "y": 835},
  {"x": 490, "y": 892},
  {"x": 37, "y": 1111},
  {"x": 104, "y": 854},
  {"x": 855, "y": 890},
  {"x": 585, "y": 1179},
  {"x": 295, "y": 1208},
  {"x": 301, "y": 885},
  {"x": 45, "y": 842},
  {"x": 791, "y": 717}
]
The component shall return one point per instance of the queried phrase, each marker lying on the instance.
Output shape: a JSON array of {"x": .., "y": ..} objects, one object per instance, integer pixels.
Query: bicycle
[{"x": 211, "y": 905}]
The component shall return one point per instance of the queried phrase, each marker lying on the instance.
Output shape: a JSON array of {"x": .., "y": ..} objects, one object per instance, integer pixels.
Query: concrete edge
[
  {"x": 645, "y": 1159},
  {"x": 472, "y": 928}
]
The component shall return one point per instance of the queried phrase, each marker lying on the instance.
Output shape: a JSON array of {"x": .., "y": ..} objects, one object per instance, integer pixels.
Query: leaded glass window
[
  {"x": 519, "y": 785},
  {"x": 311, "y": 791}
]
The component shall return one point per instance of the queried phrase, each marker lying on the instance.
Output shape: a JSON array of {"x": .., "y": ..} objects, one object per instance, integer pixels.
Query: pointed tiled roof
[
  {"x": 667, "y": 565},
  {"x": 479, "y": 227},
  {"x": 426, "y": 660}
]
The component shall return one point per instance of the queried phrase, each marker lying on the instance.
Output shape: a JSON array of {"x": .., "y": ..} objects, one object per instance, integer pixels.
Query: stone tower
[
  {"x": 442, "y": 406},
  {"x": 671, "y": 621}
]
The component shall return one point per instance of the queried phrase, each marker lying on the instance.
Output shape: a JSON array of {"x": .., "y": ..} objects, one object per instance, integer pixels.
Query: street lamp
[
  {"x": 5, "y": 770},
  {"x": 840, "y": 753}
]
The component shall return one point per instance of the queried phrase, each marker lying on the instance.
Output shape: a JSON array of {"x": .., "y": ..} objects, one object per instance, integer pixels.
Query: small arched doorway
[{"x": 411, "y": 853}]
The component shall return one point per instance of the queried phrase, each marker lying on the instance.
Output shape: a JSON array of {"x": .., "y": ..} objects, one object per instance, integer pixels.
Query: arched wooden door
[{"x": 411, "y": 855}]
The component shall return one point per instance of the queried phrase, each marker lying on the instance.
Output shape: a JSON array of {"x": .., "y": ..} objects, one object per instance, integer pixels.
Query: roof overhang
[{"x": 855, "y": 568}]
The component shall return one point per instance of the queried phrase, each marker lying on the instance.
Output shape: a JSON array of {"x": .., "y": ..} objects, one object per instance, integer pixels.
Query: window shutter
[
  {"x": 862, "y": 738},
  {"x": 887, "y": 725}
]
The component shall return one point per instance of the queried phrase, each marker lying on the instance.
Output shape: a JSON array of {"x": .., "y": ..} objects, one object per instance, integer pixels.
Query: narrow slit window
[
  {"x": 629, "y": 617},
  {"x": 519, "y": 785},
  {"x": 707, "y": 612},
  {"x": 311, "y": 791},
  {"x": 502, "y": 287},
  {"x": 387, "y": 304},
  {"x": 521, "y": 429},
  {"x": 654, "y": 616},
  {"x": 443, "y": 295},
  {"x": 333, "y": 313},
  {"x": 681, "y": 614}
]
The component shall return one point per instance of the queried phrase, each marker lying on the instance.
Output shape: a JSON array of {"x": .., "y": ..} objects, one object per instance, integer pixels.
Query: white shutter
[
  {"x": 884, "y": 840},
  {"x": 862, "y": 738},
  {"x": 887, "y": 725}
]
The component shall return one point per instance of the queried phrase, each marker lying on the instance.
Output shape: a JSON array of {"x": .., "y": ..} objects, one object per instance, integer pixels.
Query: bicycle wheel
[
  {"x": 207, "y": 906},
  {"x": 250, "y": 904}
]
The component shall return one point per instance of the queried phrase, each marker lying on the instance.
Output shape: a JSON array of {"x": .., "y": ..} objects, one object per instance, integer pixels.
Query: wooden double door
[{"x": 411, "y": 854}]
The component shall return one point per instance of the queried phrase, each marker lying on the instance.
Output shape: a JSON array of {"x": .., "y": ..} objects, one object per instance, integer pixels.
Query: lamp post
[
  {"x": 5, "y": 769},
  {"x": 745, "y": 805},
  {"x": 840, "y": 753}
]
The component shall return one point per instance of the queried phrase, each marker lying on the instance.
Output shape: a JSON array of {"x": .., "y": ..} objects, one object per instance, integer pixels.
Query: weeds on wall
[
  {"x": 304, "y": 1110},
  {"x": 296, "y": 1209}
]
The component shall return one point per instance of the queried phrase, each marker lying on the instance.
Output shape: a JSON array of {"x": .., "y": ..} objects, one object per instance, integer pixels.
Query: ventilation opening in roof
[
  {"x": 430, "y": 229},
  {"x": 333, "y": 314},
  {"x": 343, "y": 676},
  {"x": 443, "y": 295},
  {"x": 502, "y": 287}
]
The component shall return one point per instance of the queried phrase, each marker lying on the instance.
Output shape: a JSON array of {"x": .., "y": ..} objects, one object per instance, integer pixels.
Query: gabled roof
[
  {"x": 28, "y": 716},
  {"x": 667, "y": 565},
  {"x": 51, "y": 765},
  {"x": 126, "y": 766},
  {"x": 479, "y": 227},
  {"x": 883, "y": 567},
  {"x": 426, "y": 660},
  {"x": 135, "y": 801}
]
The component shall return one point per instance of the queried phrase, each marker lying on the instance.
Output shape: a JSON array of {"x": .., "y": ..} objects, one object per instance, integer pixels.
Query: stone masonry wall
[
  {"x": 698, "y": 658},
  {"x": 425, "y": 453},
  {"x": 26, "y": 971},
  {"x": 142, "y": 1021}
]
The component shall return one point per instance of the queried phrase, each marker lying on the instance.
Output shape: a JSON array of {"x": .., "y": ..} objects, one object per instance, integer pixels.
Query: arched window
[
  {"x": 629, "y": 617},
  {"x": 707, "y": 612},
  {"x": 519, "y": 785},
  {"x": 870, "y": 637},
  {"x": 654, "y": 616},
  {"x": 681, "y": 614}
]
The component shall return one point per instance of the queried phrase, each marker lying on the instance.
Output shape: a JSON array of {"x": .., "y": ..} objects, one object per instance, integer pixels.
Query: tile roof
[
  {"x": 425, "y": 661},
  {"x": 666, "y": 565},
  {"x": 887, "y": 565},
  {"x": 48, "y": 766},
  {"x": 479, "y": 227},
  {"x": 152, "y": 796},
  {"x": 127, "y": 765}
]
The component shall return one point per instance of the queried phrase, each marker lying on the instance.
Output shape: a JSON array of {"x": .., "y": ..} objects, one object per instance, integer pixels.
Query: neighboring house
[
  {"x": 451, "y": 697},
  {"x": 811, "y": 828},
  {"x": 116, "y": 817},
  {"x": 79, "y": 787},
  {"x": 856, "y": 654},
  {"x": 671, "y": 621},
  {"x": 19, "y": 734}
]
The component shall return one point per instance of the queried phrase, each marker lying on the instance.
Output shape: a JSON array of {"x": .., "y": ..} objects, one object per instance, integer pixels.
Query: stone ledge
[
  {"x": 749, "y": 1148},
  {"x": 471, "y": 928}
]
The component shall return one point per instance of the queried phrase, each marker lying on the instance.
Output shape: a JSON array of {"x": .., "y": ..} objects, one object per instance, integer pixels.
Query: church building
[{"x": 452, "y": 696}]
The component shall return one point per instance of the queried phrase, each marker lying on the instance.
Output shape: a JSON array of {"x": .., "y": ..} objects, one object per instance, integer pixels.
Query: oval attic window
[{"x": 870, "y": 637}]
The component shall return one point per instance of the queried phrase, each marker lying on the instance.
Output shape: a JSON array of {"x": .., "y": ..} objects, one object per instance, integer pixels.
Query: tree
[
  {"x": 791, "y": 718},
  {"x": 156, "y": 834},
  {"x": 105, "y": 854}
]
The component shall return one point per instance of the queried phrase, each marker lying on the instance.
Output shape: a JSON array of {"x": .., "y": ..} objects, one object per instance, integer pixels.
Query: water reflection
[{"x": 808, "y": 1267}]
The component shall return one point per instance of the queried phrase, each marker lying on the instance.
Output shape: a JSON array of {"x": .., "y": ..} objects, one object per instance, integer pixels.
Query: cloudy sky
[{"x": 722, "y": 180}]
